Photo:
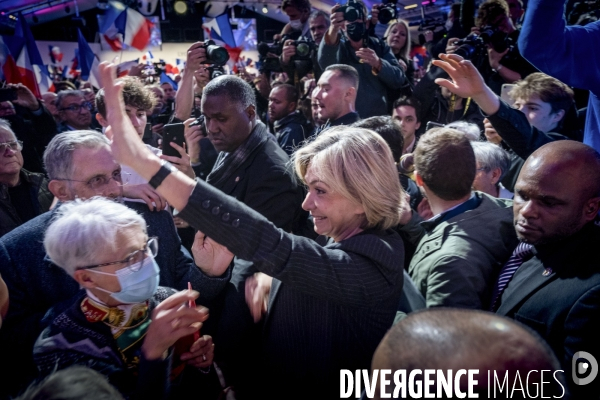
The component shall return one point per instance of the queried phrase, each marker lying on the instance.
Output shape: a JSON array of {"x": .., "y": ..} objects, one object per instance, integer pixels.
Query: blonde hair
[
  {"x": 357, "y": 164},
  {"x": 404, "y": 51}
]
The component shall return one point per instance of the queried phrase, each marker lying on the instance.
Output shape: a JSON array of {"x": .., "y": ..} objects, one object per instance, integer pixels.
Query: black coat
[
  {"x": 562, "y": 305},
  {"x": 330, "y": 305}
]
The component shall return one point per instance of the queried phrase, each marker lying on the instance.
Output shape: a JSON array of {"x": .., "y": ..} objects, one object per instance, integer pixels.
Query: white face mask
[
  {"x": 136, "y": 286},
  {"x": 296, "y": 24},
  {"x": 448, "y": 24}
]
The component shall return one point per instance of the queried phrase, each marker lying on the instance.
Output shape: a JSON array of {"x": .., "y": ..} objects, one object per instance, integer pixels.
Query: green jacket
[{"x": 457, "y": 263}]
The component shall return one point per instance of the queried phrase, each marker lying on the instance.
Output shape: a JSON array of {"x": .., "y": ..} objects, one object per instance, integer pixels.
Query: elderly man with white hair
[
  {"x": 124, "y": 324},
  {"x": 493, "y": 162}
]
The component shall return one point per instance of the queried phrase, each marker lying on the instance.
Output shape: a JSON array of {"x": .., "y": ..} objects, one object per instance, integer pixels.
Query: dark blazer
[
  {"x": 330, "y": 305},
  {"x": 40, "y": 290},
  {"x": 266, "y": 183},
  {"x": 563, "y": 304}
]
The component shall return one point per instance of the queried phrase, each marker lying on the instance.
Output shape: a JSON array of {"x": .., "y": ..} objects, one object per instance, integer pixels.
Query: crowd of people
[{"x": 339, "y": 211}]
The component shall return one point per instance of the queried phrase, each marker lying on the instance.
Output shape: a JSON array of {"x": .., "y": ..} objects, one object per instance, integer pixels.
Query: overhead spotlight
[
  {"x": 180, "y": 7},
  {"x": 67, "y": 9},
  {"x": 265, "y": 9}
]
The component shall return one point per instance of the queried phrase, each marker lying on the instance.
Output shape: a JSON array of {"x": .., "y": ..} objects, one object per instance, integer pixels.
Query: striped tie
[{"x": 522, "y": 253}]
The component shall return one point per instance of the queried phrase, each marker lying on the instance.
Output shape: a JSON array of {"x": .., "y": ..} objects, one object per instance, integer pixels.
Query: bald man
[
  {"x": 556, "y": 290},
  {"x": 455, "y": 339}
]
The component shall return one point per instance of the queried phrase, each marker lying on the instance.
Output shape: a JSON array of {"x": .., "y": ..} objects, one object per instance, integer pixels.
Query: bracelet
[
  {"x": 497, "y": 70},
  {"x": 165, "y": 169}
]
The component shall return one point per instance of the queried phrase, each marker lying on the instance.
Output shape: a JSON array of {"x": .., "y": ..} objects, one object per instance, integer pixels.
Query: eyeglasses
[
  {"x": 16, "y": 145},
  {"x": 98, "y": 181},
  {"x": 76, "y": 108},
  {"x": 133, "y": 261}
]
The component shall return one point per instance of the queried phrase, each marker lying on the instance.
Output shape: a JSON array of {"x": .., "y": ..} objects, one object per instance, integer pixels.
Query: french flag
[
  {"x": 88, "y": 62},
  {"x": 220, "y": 30},
  {"x": 123, "y": 27},
  {"x": 124, "y": 67},
  {"x": 55, "y": 54},
  {"x": 9, "y": 71},
  {"x": 31, "y": 64}
]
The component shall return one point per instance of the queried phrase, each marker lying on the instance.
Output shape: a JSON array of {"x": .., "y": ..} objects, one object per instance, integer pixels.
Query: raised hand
[
  {"x": 171, "y": 320},
  {"x": 211, "y": 257}
]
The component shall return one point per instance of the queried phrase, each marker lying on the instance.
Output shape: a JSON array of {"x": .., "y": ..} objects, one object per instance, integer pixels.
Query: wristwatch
[
  {"x": 165, "y": 169},
  {"x": 497, "y": 70}
]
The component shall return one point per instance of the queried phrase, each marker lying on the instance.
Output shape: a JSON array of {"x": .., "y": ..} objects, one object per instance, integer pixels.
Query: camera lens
[
  {"x": 351, "y": 14},
  {"x": 303, "y": 49},
  {"x": 217, "y": 54},
  {"x": 386, "y": 14},
  {"x": 466, "y": 51}
]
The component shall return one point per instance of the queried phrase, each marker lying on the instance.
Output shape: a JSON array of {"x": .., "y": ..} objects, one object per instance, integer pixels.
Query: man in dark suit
[
  {"x": 252, "y": 168},
  {"x": 80, "y": 164},
  {"x": 556, "y": 286}
]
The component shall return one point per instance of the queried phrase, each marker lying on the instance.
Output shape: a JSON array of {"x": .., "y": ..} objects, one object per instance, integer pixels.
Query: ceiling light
[
  {"x": 265, "y": 9},
  {"x": 180, "y": 7}
]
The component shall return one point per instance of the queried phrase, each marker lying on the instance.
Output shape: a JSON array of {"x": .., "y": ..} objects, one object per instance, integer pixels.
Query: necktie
[{"x": 522, "y": 253}]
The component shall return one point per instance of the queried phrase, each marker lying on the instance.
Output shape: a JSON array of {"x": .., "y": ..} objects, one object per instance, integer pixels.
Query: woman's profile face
[
  {"x": 397, "y": 37},
  {"x": 333, "y": 215}
]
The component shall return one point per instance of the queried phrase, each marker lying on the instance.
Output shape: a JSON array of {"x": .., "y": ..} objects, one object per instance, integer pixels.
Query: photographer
[
  {"x": 31, "y": 122},
  {"x": 298, "y": 11},
  {"x": 195, "y": 75},
  {"x": 348, "y": 43},
  {"x": 495, "y": 28},
  {"x": 318, "y": 25}
]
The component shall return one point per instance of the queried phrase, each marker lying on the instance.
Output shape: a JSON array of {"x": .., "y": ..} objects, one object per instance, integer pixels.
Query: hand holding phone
[{"x": 173, "y": 133}]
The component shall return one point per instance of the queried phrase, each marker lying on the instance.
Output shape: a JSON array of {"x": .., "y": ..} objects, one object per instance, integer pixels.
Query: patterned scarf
[{"x": 228, "y": 162}]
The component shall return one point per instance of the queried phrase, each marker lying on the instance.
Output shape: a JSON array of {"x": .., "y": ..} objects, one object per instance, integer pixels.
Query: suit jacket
[
  {"x": 457, "y": 263},
  {"x": 40, "y": 290},
  {"x": 265, "y": 183},
  {"x": 332, "y": 304},
  {"x": 563, "y": 303}
]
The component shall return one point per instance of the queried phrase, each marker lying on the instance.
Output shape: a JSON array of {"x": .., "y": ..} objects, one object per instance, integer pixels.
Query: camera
[
  {"x": 352, "y": 11},
  {"x": 388, "y": 11},
  {"x": 304, "y": 48},
  {"x": 215, "y": 71},
  {"x": 215, "y": 55},
  {"x": 471, "y": 47},
  {"x": 266, "y": 52},
  {"x": 200, "y": 121}
]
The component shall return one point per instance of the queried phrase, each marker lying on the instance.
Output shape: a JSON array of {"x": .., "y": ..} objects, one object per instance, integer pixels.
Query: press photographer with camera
[
  {"x": 492, "y": 46},
  {"x": 298, "y": 12},
  {"x": 347, "y": 42},
  {"x": 294, "y": 52}
]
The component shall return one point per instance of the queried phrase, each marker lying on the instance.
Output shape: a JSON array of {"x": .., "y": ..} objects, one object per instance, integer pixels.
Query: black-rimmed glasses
[
  {"x": 76, "y": 108},
  {"x": 133, "y": 261}
]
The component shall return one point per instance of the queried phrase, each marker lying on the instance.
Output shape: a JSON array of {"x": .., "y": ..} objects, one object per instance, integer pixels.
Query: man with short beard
[{"x": 552, "y": 281}]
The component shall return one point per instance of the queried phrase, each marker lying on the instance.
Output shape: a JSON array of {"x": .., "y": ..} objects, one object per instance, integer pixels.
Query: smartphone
[
  {"x": 173, "y": 133},
  {"x": 506, "y": 88},
  {"x": 147, "y": 137},
  {"x": 8, "y": 94}
]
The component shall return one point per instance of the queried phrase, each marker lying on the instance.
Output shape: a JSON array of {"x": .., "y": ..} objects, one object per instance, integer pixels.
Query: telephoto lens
[{"x": 215, "y": 54}]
